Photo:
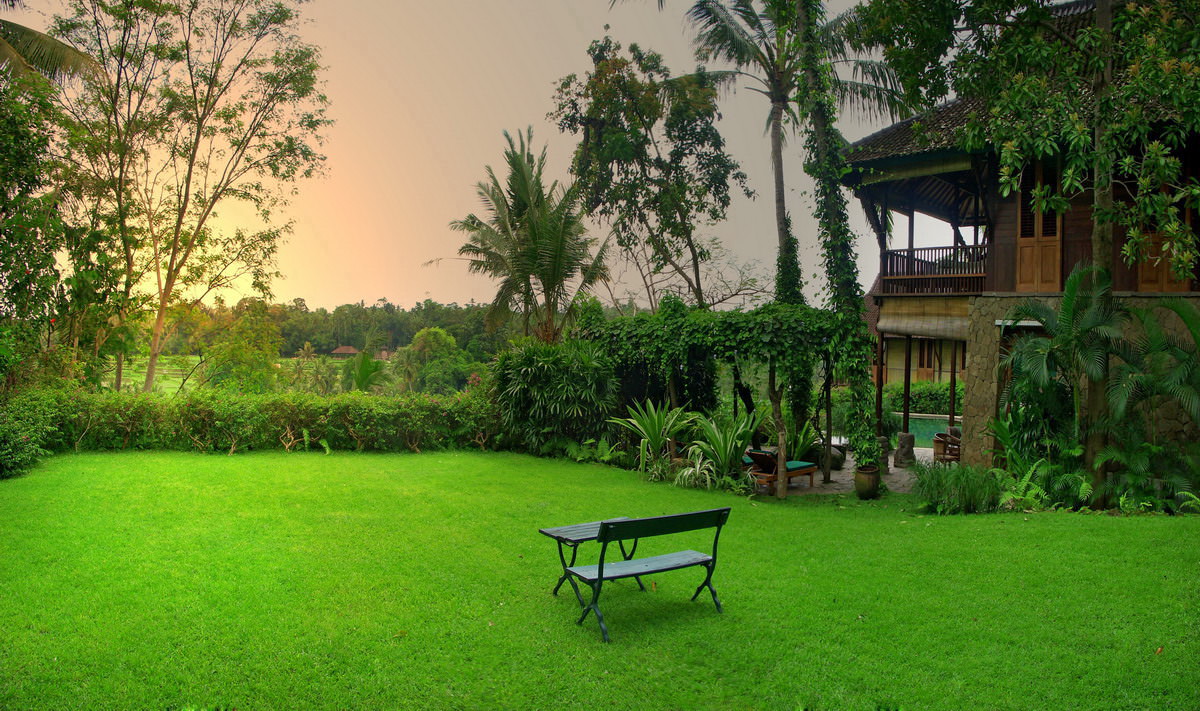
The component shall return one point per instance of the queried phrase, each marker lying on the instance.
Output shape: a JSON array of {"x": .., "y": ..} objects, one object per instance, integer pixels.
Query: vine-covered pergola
[{"x": 784, "y": 337}]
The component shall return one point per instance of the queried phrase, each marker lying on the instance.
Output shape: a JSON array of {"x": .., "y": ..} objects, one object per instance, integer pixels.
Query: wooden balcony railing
[{"x": 934, "y": 270}]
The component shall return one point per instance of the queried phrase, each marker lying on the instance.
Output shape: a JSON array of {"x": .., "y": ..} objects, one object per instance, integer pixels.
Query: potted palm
[{"x": 867, "y": 454}]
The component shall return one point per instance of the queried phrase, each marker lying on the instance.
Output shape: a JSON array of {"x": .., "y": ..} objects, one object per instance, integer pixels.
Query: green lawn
[
  {"x": 169, "y": 374},
  {"x": 268, "y": 580}
]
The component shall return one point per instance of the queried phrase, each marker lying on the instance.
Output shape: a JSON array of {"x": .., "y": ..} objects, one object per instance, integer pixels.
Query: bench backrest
[{"x": 662, "y": 525}]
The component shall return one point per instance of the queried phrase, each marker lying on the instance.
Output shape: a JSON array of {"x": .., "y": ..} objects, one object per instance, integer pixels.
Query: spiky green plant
[
  {"x": 723, "y": 445},
  {"x": 1158, "y": 366},
  {"x": 363, "y": 372},
  {"x": 657, "y": 426}
]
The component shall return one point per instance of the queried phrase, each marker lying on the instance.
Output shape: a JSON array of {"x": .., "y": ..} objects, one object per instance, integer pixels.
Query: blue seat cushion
[{"x": 794, "y": 465}]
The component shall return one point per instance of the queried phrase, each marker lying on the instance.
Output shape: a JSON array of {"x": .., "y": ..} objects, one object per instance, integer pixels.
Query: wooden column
[
  {"x": 879, "y": 370},
  {"x": 826, "y": 465},
  {"x": 907, "y": 379},
  {"x": 953, "y": 370},
  {"x": 912, "y": 231}
]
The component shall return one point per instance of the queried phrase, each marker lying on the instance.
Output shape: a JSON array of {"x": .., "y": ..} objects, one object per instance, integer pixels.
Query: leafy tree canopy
[{"x": 650, "y": 160}]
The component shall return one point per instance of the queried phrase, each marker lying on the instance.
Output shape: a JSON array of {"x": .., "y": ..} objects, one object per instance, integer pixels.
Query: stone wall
[{"x": 982, "y": 380}]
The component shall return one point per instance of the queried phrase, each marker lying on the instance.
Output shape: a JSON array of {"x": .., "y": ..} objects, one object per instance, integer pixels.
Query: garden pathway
[{"x": 897, "y": 480}]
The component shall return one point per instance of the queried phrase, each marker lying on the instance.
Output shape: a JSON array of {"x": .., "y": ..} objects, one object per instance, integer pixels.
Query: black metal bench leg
[
  {"x": 578, "y": 595},
  {"x": 627, "y": 554},
  {"x": 594, "y": 607},
  {"x": 708, "y": 584},
  {"x": 566, "y": 576}
]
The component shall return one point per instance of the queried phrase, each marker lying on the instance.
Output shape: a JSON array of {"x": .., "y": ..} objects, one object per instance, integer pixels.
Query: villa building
[{"x": 940, "y": 309}]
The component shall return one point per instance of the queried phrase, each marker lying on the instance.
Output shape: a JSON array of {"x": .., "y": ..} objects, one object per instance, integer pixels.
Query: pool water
[{"x": 924, "y": 429}]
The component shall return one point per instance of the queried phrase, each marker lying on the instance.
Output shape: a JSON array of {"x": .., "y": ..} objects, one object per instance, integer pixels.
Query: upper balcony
[{"x": 955, "y": 270}]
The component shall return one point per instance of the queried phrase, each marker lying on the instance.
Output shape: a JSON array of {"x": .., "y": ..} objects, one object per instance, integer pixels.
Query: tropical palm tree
[
  {"x": 323, "y": 377},
  {"x": 1075, "y": 339},
  {"x": 405, "y": 367},
  {"x": 25, "y": 51},
  {"x": 534, "y": 241},
  {"x": 765, "y": 41},
  {"x": 1157, "y": 365},
  {"x": 363, "y": 372}
]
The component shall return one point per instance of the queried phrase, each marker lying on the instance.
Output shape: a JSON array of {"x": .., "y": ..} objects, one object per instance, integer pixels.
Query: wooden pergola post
[
  {"x": 908, "y": 340},
  {"x": 775, "y": 394},
  {"x": 953, "y": 370},
  {"x": 826, "y": 465},
  {"x": 879, "y": 370}
]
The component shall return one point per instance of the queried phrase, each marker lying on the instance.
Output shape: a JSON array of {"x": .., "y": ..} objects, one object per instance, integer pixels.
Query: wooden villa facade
[{"x": 951, "y": 299}]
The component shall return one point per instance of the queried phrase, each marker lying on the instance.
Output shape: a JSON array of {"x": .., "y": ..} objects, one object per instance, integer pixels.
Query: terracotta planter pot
[{"x": 866, "y": 482}]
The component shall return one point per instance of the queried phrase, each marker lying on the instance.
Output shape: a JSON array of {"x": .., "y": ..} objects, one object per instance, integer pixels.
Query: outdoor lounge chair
[{"x": 764, "y": 468}]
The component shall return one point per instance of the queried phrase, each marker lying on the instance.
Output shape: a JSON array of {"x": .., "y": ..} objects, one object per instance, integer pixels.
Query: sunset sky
[{"x": 421, "y": 93}]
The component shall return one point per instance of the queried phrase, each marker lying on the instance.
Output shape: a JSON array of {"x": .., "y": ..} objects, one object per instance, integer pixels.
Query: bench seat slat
[{"x": 616, "y": 570}]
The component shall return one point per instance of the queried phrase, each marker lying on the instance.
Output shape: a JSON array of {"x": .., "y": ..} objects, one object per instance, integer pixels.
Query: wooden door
[
  {"x": 1155, "y": 275},
  {"x": 1039, "y": 236},
  {"x": 926, "y": 360}
]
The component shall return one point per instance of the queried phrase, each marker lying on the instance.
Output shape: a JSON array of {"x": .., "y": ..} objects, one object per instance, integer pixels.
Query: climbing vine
[
  {"x": 826, "y": 164},
  {"x": 788, "y": 335},
  {"x": 788, "y": 338}
]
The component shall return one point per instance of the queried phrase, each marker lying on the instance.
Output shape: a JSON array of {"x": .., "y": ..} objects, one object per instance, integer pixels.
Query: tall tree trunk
[
  {"x": 787, "y": 262},
  {"x": 120, "y": 372},
  {"x": 1102, "y": 241},
  {"x": 826, "y": 165},
  {"x": 156, "y": 340}
]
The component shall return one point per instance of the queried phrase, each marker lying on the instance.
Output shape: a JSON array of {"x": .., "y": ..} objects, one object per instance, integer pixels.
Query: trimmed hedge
[
  {"x": 217, "y": 421},
  {"x": 924, "y": 396}
]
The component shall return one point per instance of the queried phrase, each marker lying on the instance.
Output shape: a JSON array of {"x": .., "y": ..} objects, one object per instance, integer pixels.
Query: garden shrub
[
  {"x": 224, "y": 421},
  {"x": 842, "y": 407},
  {"x": 957, "y": 488},
  {"x": 123, "y": 421},
  {"x": 297, "y": 419},
  {"x": 553, "y": 394},
  {"x": 363, "y": 422},
  {"x": 26, "y": 422},
  {"x": 474, "y": 416}
]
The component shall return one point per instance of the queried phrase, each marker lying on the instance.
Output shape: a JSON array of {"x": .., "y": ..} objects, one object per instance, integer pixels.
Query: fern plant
[{"x": 1024, "y": 493}]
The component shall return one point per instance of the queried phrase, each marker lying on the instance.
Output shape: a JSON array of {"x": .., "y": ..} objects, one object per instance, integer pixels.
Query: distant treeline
[{"x": 383, "y": 325}]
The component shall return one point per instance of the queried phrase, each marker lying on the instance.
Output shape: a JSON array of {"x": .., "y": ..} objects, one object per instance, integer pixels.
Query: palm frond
[
  {"x": 871, "y": 100},
  {"x": 723, "y": 33},
  {"x": 24, "y": 50}
]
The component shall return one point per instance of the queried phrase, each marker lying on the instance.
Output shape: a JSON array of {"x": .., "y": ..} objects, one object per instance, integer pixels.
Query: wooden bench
[{"x": 637, "y": 528}]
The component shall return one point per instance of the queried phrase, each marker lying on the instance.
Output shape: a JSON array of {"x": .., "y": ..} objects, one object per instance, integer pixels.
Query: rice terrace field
[{"x": 271, "y": 580}]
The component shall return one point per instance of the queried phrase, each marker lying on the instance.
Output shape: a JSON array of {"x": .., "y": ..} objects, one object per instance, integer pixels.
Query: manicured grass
[{"x": 267, "y": 580}]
